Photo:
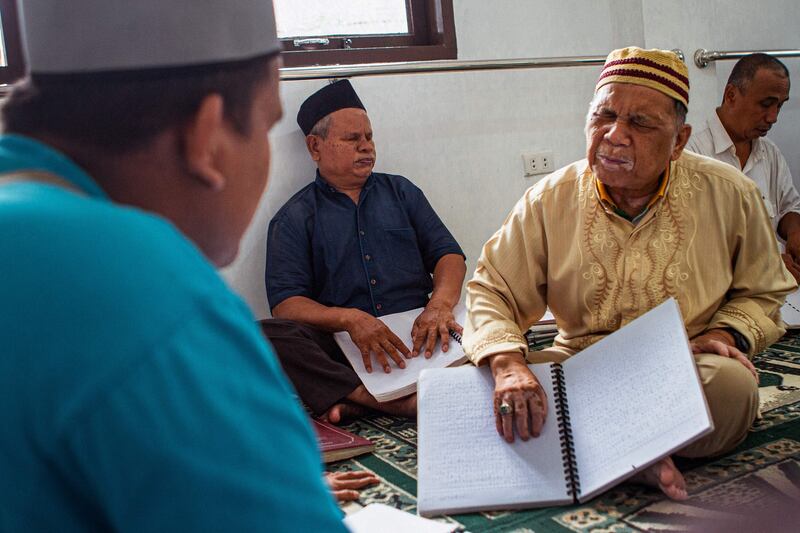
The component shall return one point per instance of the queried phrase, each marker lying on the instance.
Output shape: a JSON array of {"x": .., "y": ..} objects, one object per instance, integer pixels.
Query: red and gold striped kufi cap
[{"x": 661, "y": 70}]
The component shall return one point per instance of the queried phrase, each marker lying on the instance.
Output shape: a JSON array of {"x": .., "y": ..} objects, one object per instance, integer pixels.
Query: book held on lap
[
  {"x": 402, "y": 381},
  {"x": 790, "y": 312},
  {"x": 614, "y": 409},
  {"x": 336, "y": 444}
]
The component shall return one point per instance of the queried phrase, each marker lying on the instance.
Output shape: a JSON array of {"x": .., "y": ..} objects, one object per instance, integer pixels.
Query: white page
[
  {"x": 790, "y": 312},
  {"x": 401, "y": 381},
  {"x": 464, "y": 464},
  {"x": 380, "y": 518},
  {"x": 620, "y": 424}
]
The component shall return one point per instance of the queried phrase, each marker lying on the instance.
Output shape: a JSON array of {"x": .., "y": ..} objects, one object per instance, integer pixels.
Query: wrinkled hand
[
  {"x": 792, "y": 266},
  {"x": 373, "y": 337},
  {"x": 717, "y": 342},
  {"x": 344, "y": 485},
  {"x": 434, "y": 322},
  {"x": 515, "y": 385}
]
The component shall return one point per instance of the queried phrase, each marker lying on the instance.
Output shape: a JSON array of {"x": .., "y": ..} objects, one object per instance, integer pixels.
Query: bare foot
[
  {"x": 665, "y": 476},
  {"x": 405, "y": 406},
  {"x": 343, "y": 411}
]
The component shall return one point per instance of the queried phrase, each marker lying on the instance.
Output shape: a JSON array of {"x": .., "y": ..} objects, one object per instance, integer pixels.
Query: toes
[
  {"x": 665, "y": 476},
  {"x": 671, "y": 481},
  {"x": 334, "y": 414},
  {"x": 675, "y": 492},
  {"x": 343, "y": 412}
]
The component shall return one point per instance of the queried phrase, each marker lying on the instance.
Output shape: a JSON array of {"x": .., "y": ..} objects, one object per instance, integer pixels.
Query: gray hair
[
  {"x": 680, "y": 113},
  {"x": 322, "y": 127}
]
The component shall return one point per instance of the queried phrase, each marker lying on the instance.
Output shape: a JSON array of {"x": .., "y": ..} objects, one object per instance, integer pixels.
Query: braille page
[
  {"x": 790, "y": 312},
  {"x": 464, "y": 465},
  {"x": 401, "y": 381},
  {"x": 377, "y": 517},
  {"x": 634, "y": 398}
]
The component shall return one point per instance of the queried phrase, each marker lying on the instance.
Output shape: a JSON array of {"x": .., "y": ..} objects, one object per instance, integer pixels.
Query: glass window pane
[{"x": 296, "y": 18}]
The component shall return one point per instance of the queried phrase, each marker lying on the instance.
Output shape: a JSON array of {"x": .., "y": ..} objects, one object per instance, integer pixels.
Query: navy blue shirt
[{"x": 377, "y": 256}]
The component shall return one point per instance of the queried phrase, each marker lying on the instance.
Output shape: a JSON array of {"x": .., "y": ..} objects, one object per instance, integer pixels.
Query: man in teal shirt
[{"x": 136, "y": 392}]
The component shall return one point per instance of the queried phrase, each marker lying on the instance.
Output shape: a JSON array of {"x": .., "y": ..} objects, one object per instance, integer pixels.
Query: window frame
[
  {"x": 432, "y": 36},
  {"x": 15, "y": 68}
]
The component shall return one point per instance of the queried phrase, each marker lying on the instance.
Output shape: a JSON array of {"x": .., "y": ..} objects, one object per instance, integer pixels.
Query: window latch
[{"x": 310, "y": 44}]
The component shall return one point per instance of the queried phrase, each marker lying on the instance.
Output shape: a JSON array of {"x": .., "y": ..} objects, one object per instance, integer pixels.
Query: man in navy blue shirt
[{"x": 349, "y": 247}]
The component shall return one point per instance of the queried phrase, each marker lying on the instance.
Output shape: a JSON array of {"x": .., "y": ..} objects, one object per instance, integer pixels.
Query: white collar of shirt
[{"x": 723, "y": 143}]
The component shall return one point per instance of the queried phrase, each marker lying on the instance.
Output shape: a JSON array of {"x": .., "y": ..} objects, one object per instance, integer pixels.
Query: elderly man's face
[
  {"x": 631, "y": 136},
  {"x": 346, "y": 154},
  {"x": 754, "y": 110}
]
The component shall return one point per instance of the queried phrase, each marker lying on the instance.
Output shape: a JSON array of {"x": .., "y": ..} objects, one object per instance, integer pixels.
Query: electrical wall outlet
[{"x": 537, "y": 163}]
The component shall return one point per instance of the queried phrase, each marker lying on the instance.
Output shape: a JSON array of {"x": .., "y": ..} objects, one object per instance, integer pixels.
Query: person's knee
[
  {"x": 734, "y": 386},
  {"x": 732, "y": 395},
  {"x": 281, "y": 327}
]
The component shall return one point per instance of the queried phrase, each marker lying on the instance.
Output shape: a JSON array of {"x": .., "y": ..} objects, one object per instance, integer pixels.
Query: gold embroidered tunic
[{"x": 707, "y": 242}]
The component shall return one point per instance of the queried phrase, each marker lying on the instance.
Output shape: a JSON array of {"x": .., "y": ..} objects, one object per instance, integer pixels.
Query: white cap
[{"x": 83, "y": 36}]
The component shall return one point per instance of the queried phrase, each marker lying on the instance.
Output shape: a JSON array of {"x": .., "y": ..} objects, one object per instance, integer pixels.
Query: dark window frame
[
  {"x": 432, "y": 36},
  {"x": 15, "y": 68}
]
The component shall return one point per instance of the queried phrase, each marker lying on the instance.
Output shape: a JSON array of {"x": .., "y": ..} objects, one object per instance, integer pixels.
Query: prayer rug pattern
[{"x": 763, "y": 472}]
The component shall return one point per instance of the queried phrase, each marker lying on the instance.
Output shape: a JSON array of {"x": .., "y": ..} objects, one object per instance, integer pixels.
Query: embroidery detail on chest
[
  {"x": 633, "y": 271},
  {"x": 674, "y": 237},
  {"x": 600, "y": 251},
  {"x": 665, "y": 256}
]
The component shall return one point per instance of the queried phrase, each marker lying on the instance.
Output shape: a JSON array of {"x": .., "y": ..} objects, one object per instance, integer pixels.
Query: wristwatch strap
[{"x": 739, "y": 340}]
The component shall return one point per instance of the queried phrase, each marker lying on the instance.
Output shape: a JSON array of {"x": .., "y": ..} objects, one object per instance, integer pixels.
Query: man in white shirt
[{"x": 757, "y": 88}]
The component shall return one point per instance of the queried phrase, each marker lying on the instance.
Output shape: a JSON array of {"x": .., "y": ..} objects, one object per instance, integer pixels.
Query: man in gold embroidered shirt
[{"x": 608, "y": 238}]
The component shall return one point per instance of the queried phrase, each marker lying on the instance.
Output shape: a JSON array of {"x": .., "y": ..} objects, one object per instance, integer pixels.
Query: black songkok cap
[{"x": 333, "y": 97}]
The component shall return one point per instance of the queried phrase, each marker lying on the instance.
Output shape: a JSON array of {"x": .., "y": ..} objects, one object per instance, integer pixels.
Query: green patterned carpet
[{"x": 761, "y": 474}]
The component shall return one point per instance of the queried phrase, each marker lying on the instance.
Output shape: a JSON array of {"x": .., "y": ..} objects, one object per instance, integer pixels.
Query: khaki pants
[{"x": 731, "y": 393}]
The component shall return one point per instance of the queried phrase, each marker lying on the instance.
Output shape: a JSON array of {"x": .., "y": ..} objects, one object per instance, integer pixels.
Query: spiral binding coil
[
  {"x": 571, "y": 477},
  {"x": 456, "y": 335}
]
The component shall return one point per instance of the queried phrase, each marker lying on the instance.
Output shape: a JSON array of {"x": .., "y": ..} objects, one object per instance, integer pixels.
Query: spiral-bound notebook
[
  {"x": 402, "y": 381},
  {"x": 614, "y": 409},
  {"x": 790, "y": 312}
]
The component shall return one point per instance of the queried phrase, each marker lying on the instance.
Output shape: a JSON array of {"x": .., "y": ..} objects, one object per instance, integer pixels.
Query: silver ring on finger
[{"x": 506, "y": 408}]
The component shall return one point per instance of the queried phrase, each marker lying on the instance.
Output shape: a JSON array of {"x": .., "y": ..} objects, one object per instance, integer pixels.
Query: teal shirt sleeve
[
  {"x": 136, "y": 390},
  {"x": 204, "y": 435}
]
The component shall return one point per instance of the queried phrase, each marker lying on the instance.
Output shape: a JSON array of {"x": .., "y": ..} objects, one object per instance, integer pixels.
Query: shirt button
[
  {"x": 367, "y": 257},
  {"x": 361, "y": 232},
  {"x": 373, "y": 281},
  {"x": 378, "y": 307}
]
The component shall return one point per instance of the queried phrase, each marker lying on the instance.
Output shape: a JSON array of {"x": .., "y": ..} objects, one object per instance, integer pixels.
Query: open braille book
[
  {"x": 402, "y": 381},
  {"x": 613, "y": 409},
  {"x": 790, "y": 312}
]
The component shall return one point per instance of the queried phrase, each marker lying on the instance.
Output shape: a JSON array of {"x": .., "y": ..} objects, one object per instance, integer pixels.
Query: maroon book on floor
[{"x": 337, "y": 444}]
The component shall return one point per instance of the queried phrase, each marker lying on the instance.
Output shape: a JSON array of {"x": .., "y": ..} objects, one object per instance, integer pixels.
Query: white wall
[
  {"x": 731, "y": 25},
  {"x": 459, "y": 136}
]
